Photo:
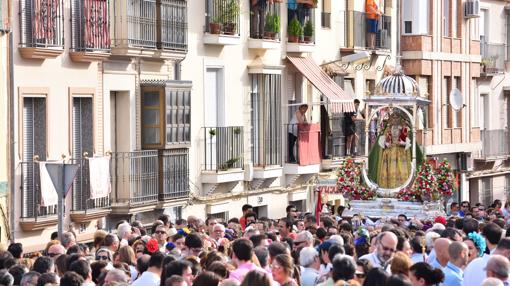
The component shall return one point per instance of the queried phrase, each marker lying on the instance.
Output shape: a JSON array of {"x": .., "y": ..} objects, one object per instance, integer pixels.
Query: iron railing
[
  {"x": 174, "y": 174},
  {"x": 296, "y": 135},
  {"x": 31, "y": 193},
  {"x": 135, "y": 176},
  {"x": 90, "y": 25},
  {"x": 493, "y": 57},
  {"x": 265, "y": 22},
  {"x": 141, "y": 23},
  {"x": 41, "y": 23},
  {"x": 305, "y": 15},
  {"x": 494, "y": 143},
  {"x": 357, "y": 30},
  {"x": 173, "y": 24},
  {"x": 225, "y": 13},
  {"x": 81, "y": 200},
  {"x": 223, "y": 148},
  {"x": 326, "y": 19}
]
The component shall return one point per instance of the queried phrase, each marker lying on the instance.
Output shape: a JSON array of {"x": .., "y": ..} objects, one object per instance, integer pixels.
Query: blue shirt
[
  {"x": 436, "y": 264},
  {"x": 453, "y": 275},
  {"x": 291, "y": 4}
]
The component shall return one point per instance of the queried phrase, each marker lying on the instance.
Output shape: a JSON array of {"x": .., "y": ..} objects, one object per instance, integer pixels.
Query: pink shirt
[{"x": 241, "y": 271}]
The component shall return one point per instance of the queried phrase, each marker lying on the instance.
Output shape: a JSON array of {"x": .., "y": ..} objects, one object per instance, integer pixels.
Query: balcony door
[
  {"x": 119, "y": 121},
  {"x": 214, "y": 111}
]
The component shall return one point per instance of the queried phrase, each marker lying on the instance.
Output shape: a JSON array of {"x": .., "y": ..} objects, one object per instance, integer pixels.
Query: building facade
[
  {"x": 490, "y": 178},
  {"x": 441, "y": 50}
]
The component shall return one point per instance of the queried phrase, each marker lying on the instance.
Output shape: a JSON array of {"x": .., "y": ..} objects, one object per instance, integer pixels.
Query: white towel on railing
[
  {"x": 49, "y": 196},
  {"x": 99, "y": 177}
]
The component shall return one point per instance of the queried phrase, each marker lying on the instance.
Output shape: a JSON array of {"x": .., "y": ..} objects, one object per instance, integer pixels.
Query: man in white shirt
[
  {"x": 498, "y": 267},
  {"x": 309, "y": 259},
  {"x": 152, "y": 277},
  {"x": 474, "y": 274},
  {"x": 386, "y": 246}
]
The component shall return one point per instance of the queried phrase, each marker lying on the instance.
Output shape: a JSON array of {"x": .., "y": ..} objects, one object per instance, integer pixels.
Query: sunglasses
[
  {"x": 360, "y": 275},
  {"x": 101, "y": 257},
  {"x": 160, "y": 232}
]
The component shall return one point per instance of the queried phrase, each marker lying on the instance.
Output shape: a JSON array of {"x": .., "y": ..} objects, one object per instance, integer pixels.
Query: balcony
[
  {"x": 223, "y": 154},
  {"x": 174, "y": 175},
  {"x": 301, "y": 30},
  {"x": 493, "y": 59},
  {"x": 494, "y": 145},
  {"x": 34, "y": 216},
  {"x": 135, "y": 185},
  {"x": 265, "y": 23},
  {"x": 303, "y": 150},
  {"x": 41, "y": 29},
  {"x": 150, "y": 28},
  {"x": 222, "y": 22},
  {"x": 334, "y": 149},
  {"x": 84, "y": 207},
  {"x": 90, "y": 29},
  {"x": 359, "y": 38}
]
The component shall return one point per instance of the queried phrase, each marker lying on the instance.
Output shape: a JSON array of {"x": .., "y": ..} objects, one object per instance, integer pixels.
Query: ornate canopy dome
[{"x": 396, "y": 85}]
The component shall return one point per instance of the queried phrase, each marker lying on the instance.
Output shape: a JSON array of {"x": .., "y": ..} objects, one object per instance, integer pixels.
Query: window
[
  {"x": 423, "y": 114},
  {"x": 415, "y": 17},
  {"x": 446, "y": 18},
  {"x": 486, "y": 191},
  {"x": 166, "y": 114},
  {"x": 175, "y": 173},
  {"x": 90, "y": 25},
  {"x": 476, "y": 105},
  {"x": 448, "y": 109},
  {"x": 454, "y": 16},
  {"x": 4, "y": 15},
  {"x": 82, "y": 127},
  {"x": 42, "y": 23},
  {"x": 326, "y": 14},
  {"x": 266, "y": 119}
]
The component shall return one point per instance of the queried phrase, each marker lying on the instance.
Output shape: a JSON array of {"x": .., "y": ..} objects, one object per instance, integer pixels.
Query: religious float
[{"x": 395, "y": 178}]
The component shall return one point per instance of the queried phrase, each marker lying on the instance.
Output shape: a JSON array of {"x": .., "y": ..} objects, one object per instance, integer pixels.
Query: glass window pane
[
  {"x": 150, "y": 117},
  {"x": 151, "y": 98},
  {"x": 151, "y": 136}
]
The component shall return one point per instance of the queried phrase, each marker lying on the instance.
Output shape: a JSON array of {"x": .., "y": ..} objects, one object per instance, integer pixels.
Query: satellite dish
[{"x": 456, "y": 100}]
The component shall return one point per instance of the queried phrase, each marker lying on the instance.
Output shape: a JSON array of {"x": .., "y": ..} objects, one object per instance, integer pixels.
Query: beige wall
[{"x": 4, "y": 139}]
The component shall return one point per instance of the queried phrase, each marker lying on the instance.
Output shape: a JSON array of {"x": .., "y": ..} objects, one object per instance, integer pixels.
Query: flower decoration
[
  {"x": 426, "y": 184},
  {"x": 152, "y": 245},
  {"x": 170, "y": 246},
  {"x": 408, "y": 195},
  {"x": 479, "y": 242},
  {"x": 445, "y": 179},
  {"x": 363, "y": 237},
  {"x": 349, "y": 182}
]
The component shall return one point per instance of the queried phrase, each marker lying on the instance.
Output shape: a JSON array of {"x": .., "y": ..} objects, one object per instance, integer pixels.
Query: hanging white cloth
[
  {"x": 49, "y": 196},
  {"x": 99, "y": 169}
]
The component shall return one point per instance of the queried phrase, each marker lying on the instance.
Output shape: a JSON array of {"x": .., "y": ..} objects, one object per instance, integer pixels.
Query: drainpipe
[
  {"x": 398, "y": 53},
  {"x": 12, "y": 143}
]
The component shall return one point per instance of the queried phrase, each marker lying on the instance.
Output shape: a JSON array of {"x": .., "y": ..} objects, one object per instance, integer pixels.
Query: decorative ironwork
[{"x": 42, "y": 23}]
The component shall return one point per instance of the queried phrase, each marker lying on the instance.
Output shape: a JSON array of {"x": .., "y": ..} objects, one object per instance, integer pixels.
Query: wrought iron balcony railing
[
  {"x": 495, "y": 143},
  {"x": 90, "y": 25},
  {"x": 135, "y": 177},
  {"x": 174, "y": 176},
  {"x": 357, "y": 31},
  {"x": 173, "y": 23},
  {"x": 31, "y": 201},
  {"x": 41, "y": 23},
  {"x": 222, "y": 16},
  {"x": 265, "y": 22},
  {"x": 223, "y": 148},
  {"x": 81, "y": 198}
]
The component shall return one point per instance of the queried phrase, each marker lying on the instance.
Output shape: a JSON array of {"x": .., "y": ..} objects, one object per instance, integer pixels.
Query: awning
[{"x": 338, "y": 100}]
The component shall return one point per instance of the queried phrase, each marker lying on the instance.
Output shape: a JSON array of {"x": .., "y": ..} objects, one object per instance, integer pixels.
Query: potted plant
[
  {"x": 230, "y": 16},
  {"x": 294, "y": 30},
  {"x": 308, "y": 32},
  {"x": 269, "y": 27},
  {"x": 215, "y": 25}
]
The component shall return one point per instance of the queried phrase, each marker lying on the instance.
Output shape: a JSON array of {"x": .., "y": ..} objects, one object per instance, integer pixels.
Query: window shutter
[{"x": 291, "y": 87}]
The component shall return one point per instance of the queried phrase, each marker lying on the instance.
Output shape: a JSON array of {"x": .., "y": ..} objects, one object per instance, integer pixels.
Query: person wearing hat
[{"x": 299, "y": 117}]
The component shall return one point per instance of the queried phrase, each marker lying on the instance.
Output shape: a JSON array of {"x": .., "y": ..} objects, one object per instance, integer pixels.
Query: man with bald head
[
  {"x": 386, "y": 245},
  {"x": 453, "y": 272},
  {"x": 498, "y": 267},
  {"x": 55, "y": 250},
  {"x": 441, "y": 246}
]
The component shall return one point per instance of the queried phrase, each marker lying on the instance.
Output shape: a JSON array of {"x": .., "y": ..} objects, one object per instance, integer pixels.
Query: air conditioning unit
[
  {"x": 465, "y": 162},
  {"x": 472, "y": 9}
]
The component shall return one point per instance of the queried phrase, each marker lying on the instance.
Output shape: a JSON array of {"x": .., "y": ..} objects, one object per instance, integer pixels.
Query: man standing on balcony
[
  {"x": 298, "y": 118},
  {"x": 291, "y": 10},
  {"x": 258, "y": 17},
  {"x": 350, "y": 128},
  {"x": 373, "y": 14}
]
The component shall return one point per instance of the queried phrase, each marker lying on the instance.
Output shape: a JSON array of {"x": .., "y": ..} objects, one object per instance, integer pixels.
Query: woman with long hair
[
  {"x": 422, "y": 274},
  {"x": 127, "y": 255},
  {"x": 284, "y": 271}
]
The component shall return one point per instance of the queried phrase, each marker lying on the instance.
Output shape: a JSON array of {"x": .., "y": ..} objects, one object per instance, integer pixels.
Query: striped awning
[{"x": 338, "y": 100}]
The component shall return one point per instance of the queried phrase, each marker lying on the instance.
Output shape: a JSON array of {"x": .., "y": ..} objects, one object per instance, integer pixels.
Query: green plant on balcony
[
  {"x": 272, "y": 26},
  {"x": 294, "y": 30},
  {"x": 212, "y": 132},
  {"x": 237, "y": 131},
  {"x": 229, "y": 164},
  {"x": 230, "y": 16},
  {"x": 308, "y": 31}
]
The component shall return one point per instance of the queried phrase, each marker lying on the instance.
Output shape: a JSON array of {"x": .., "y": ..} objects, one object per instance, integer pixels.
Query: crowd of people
[{"x": 470, "y": 246}]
